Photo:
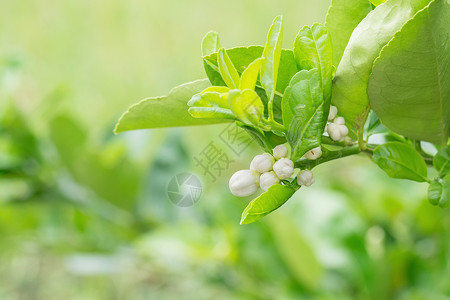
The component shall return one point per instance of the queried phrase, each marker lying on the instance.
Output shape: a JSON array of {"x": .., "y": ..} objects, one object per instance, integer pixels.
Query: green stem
[
  {"x": 273, "y": 124},
  {"x": 270, "y": 109},
  {"x": 332, "y": 155}
]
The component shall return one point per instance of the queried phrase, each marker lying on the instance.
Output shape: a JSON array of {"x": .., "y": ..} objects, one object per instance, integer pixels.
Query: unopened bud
[
  {"x": 244, "y": 183},
  {"x": 262, "y": 163},
  {"x": 305, "y": 178},
  {"x": 284, "y": 168},
  {"x": 333, "y": 113},
  {"x": 266, "y": 180},
  {"x": 314, "y": 153},
  {"x": 280, "y": 151}
]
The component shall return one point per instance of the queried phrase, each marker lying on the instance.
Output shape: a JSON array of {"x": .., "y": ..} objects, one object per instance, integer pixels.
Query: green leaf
[
  {"x": 165, "y": 111},
  {"x": 365, "y": 44},
  {"x": 439, "y": 192},
  {"x": 312, "y": 49},
  {"x": 242, "y": 57},
  {"x": 400, "y": 160},
  {"x": 296, "y": 252},
  {"x": 409, "y": 85},
  {"x": 342, "y": 18},
  {"x": 227, "y": 70},
  {"x": 246, "y": 106},
  {"x": 211, "y": 43},
  {"x": 210, "y": 104},
  {"x": 250, "y": 75},
  {"x": 272, "y": 55},
  {"x": 266, "y": 203},
  {"x": 303, "y": 112},
  {"x": 441, "y": 161},
  {"x": 377, "y": 2}
]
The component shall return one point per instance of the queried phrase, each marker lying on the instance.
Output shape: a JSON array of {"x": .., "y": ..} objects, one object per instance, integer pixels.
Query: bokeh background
[{"x": 84, "y": 214}]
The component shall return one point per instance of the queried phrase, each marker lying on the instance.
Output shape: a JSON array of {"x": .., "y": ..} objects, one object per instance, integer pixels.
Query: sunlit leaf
[
  {"x": 272, "y": 55},
  {"x": 409, "y": 85},
  {"x": 267, "y": 202},
  {"x": 246, "y": 106},
  {"x": 242, "y": 57},
  {"x": 342, "y": 18},
  {"x": 165, "y": 111},
  {"x": 250, "y": 75},
  {"x": 211, "y": 43},
  {"x": 227, "y": 70},
  {"x": 364, "y": 46}
]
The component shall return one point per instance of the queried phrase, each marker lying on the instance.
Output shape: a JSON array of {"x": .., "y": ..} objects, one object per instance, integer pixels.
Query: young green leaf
[
  {"x": 377, "y": 2},
  {"x": 242, "y": 57},
  {"x": 246, "y": 106},
  {"x": 365, "y": 44},
  {"x": 210, "y": 104},
  {"x": 342, "y": 18},
  {"x": 250, "y": 75},
  {"x": 409, "y": 85},
  {"x": 441, "y": 161},
  {"x": 303, "y": 112},
  {"x": 165, "y": 111},
  {"x": 439, "y": 192},
  {"x": 210, "y": 43},
  {"x": 400, "y": 160},
  {"x": 227, "y": 70},
  {"x": 312, "y": 49},
  {"x": 272, "y": 55},
  {"x": 266, "y": 203}
]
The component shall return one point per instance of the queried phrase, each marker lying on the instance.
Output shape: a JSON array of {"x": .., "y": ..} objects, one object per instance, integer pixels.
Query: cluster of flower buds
[
  {"x": 336, "y": 128},
  {"x": 265, "y": 170}
]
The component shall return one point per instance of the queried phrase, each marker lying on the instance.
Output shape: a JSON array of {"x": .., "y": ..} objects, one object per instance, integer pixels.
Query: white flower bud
[
  {"x": 244, "y": 183},
  {"x": 305, "y": 178},
  {"x": 314, "y": 153},
  {"x": 262, "y": 163},
  {"x": 266, "y": 180},
  {"x": 284, "y": 168},
  {"x": 339, "y": 121},
  {"x": 280, "y": 151},
  {"x": 333, "y": 132},
  {"x": 343, "y": 130},
  {"x": 333, "y": 113}
]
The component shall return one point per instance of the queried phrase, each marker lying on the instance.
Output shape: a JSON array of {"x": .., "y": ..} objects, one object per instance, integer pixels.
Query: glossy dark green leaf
[
  {"x": 409, "y": 85},
  {"x": 303, "y": 112},
  {"x": 227, "y": 70},
  {"x": 266, "y": 203},
  {"x": 364, "y": 46},
  {"x": 165, "y": 111},
  {"x": 210, "y": 43},
  {"x": 242, "y": 57},
  {"x": 441, "y": 161},
  {"x": 400, "y": 160},
  {"x": 246, "y": 106},
  {"x": 272, "y": 55},
  {"x": 342, "y": 18}
]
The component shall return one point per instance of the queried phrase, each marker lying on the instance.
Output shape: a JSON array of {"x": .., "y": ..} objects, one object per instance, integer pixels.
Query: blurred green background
[{"x": 84, "y": 214}]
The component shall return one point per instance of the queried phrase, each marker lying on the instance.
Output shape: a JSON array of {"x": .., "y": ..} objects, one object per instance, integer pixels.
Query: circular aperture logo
[{"x": 184, "y": 189}]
